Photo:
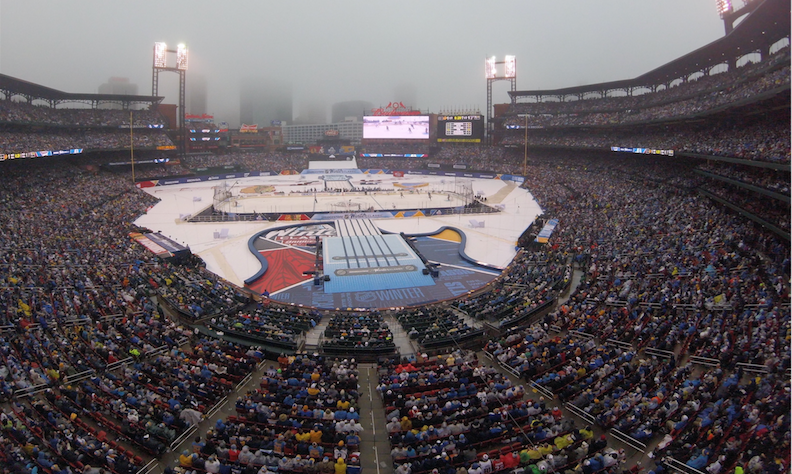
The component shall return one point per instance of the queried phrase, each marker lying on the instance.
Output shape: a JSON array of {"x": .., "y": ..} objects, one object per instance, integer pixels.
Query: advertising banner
[{"x": 40, "y": 154}]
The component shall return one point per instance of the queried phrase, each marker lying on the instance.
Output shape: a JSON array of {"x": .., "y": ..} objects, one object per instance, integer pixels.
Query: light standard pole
[
  {"x": 131, "y": 148},
  {"x": 525, "y": 145}
]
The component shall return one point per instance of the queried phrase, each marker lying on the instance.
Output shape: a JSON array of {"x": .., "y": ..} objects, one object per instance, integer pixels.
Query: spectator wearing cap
[
  {"x": 485, "y": 464},
  {"x": 212, "y": 465},
  {"x": 186, "y": 458}
]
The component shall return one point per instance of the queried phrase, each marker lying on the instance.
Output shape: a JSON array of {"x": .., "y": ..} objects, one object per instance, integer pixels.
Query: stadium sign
[
  {"x": 395, "y": 108},
  {"x": 643, "y": 151}
]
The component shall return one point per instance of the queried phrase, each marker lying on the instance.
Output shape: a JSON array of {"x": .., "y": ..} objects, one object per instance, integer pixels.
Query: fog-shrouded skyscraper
[
  {"x": 196, "y": 94},
  {"x": 117, "y": 85},
  {"x": 407, "y": 94},
  {"x": 350, "y": 108},
  {"x": 262, "y": 101},
  {"x": 311, "y": 111}
]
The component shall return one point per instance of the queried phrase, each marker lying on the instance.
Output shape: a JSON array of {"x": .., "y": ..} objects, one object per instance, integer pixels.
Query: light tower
[
  {"x": 160, "y": 65},
  {"x": 491, "y": 72},
  {"x": 729, "y": 15}
]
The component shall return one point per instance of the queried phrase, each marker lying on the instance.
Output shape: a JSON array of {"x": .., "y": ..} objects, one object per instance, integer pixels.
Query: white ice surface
[{"x": 230, "y": 258}]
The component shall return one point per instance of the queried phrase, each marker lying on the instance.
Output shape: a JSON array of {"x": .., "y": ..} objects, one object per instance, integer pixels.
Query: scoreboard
[{"x": 460, "y": 128}]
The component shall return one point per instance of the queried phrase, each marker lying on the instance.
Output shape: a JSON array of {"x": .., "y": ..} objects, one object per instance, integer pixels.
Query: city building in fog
[
  {"x": 342, "y": 111},
  {"x": 264, "y": 101},
  {"x": 407, "y": 94},
  {"x": 117, "y": 85},
  {"x": 311, "y": 112},
  {"x": 196, "y": 94}
]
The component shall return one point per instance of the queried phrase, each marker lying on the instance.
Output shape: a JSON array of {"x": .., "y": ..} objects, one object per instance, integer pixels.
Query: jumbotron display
[
  {"x": 396, "y": 127},
  {"x": 460, "y": 128}
]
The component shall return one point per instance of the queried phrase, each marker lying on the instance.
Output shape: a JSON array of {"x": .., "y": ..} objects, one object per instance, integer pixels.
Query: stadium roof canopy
[
  {"x": 31, "y": 91},
  {"x": 768, "y": 23}
]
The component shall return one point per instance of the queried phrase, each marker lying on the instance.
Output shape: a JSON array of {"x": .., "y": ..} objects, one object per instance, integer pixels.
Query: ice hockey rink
[{"x": 489, "y": 239}]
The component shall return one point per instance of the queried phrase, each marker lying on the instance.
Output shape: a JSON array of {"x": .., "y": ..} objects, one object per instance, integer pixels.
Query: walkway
[
  {"x": 403, "y": 343},
  {"x": 314, "y": 335},
  {"x": 469, "y": 320},
  {"x": 228, "y": 409},
  {"x": 577, "y": 275},
  {"x": 374, "y": 442}
]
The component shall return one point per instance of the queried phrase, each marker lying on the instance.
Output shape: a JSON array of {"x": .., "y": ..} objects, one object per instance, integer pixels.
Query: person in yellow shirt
[
  {"x": 586, "y": 433},
  {"x": 340, "y": 466},
  {"x": 343, "y": 404},
  {"x": 406, "y": 424},
  {"x": 186, "y": 459},
  {"x": 562, "y": 442},
  {"x": 316, "y": 435}
]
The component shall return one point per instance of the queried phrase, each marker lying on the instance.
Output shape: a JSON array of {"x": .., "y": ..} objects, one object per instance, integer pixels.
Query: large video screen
[
  {"x": 400, "y": 127},
  {"x": 460, "y": 128}
]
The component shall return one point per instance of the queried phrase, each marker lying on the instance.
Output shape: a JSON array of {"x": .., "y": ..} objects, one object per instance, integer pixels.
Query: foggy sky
[{"x": 350, "y": 50}]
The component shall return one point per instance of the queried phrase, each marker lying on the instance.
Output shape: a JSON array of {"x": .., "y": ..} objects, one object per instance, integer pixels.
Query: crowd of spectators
[
  {"x": 684, "y": 98},
  {"x": 664, "y": 271},
  {"x": 769, "y": 179},
  {"x": 474, "y": 157},
  {"x": 196, "y": 292},
  {"x": 449, "y": 414},
  {"x": 147, "y": 405},
  {"x": 76, "y": 305},
  {"x": 439, "y": 325},
  {"x": 674, "y": 276},
  {"x": 777, "y": 214},
  {"x": 365, "y": 163},
  {"x": 48, "y": 441},
  {"x": 32, "y": 128},
  {"x": 151, "y": 170},
  {"x": 763, "y": 140},
  {"x": 532, "y": 280},
  {"x": 29, "y": 114},
  {"x": 267, "y": 324},
  {"x": 303, "y": 418},
  {"x": 252, "y": 160},
  {"x": 679, "y": 90},
  {"x": 91, "y": 139},
  {"x": 690, "y": 107},
  {"x": 348, "y": 333},
  {"x": 383, "y": 147}
]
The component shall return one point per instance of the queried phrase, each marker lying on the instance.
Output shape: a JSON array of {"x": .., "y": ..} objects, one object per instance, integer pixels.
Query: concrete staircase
[
  {"x": 313, "y": 336},
  {"x": 403, "y": 343}
]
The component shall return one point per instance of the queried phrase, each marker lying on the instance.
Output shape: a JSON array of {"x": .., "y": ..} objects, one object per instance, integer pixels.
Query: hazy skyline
[{"x": 350, "y": 50}]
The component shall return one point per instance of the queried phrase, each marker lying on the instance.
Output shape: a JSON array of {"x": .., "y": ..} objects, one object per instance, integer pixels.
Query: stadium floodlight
[
  {"x": 159, "y": 54},
  {"x": 511, "y": 67},
  {"x": 181, "y": 57},
  {"x": 724, "y": 7},
  {"x": 489, "y": 68}
]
